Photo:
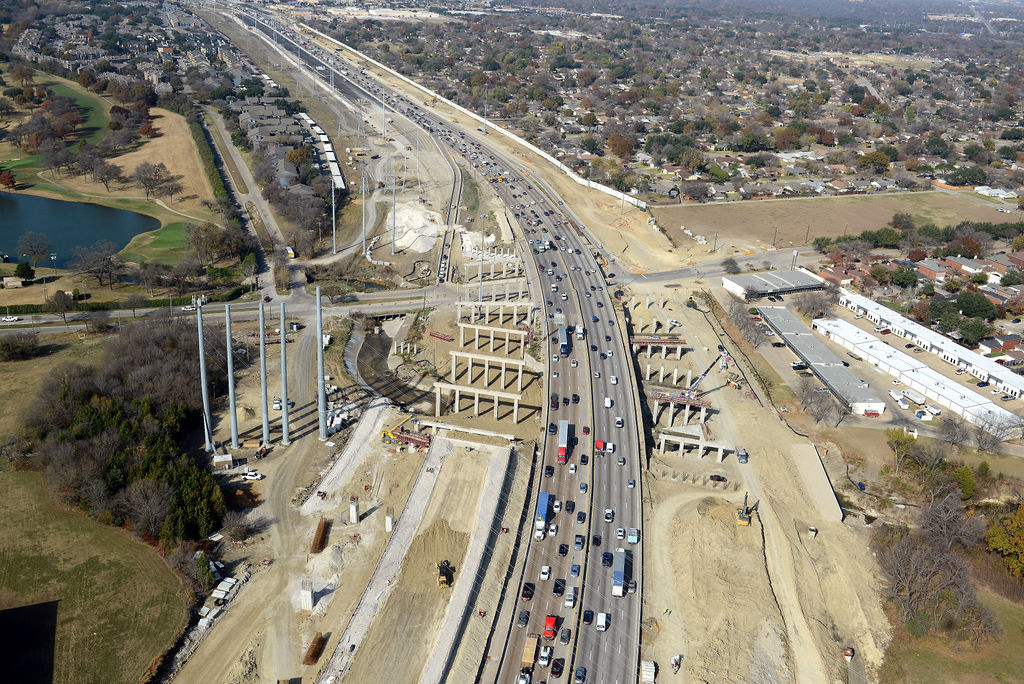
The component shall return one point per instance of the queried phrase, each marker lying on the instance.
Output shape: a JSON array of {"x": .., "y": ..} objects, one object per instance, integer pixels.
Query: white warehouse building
[
  {"x": 919, "y": 377},
  {"x": 935, "y": 342}
]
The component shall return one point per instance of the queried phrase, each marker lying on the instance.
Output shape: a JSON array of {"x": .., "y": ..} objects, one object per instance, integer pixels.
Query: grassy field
[
  {"x": 753, "y": 223},
  {"x": 931, "y": 660},
  {"x": 21, "y": 379},
  {"x": 120, "y": 605},
  {"x": 165, "y": 245}
]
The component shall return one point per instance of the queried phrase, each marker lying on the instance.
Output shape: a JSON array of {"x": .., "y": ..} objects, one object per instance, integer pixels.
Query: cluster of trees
[
  {"x": 109, "y": 435},
  {"x": 309, "y": 219},
  {"x": 929, "y": 580}
]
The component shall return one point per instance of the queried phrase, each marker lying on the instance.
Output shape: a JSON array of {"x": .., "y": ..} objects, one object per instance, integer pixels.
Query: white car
[
  {"x": 620, "y": 533},
  {"x": 545, "y": 573},
  {"x": 554, "y": 374},
  {"x": 557, "y": 506},
  {"x": 572, "y": 468},
  {"x": 10, "y": 319},
  {"x": 253, "y": 475},
  {"x": 574, "y": 363},
  {"x": 188, "y": 308},
  {"x": 553, "y": 529}
]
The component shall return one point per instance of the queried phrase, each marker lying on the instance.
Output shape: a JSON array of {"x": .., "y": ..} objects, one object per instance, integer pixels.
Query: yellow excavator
[
  {"x": 388, "y": 435},
  {"x": 444, "y": 574},
  {"x": 743, "y": 514}
]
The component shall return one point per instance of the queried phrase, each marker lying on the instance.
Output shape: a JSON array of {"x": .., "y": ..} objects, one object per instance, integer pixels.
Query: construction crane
[
  {"x": 743, "y": 514},
  {"x": 692, "y": 389},
  {"x": 388, "y": 435}
]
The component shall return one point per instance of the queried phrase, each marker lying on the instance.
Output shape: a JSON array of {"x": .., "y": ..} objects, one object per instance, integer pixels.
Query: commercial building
[
  {"x": 851, "y": 391},
  {"x": 979, "y": 366},
  {"x": 758, "y": 285},
  {"x": 912, "y": 371}
]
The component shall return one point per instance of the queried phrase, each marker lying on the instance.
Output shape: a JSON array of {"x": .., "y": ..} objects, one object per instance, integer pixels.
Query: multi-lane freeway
[{"x": 596, "y": 493}]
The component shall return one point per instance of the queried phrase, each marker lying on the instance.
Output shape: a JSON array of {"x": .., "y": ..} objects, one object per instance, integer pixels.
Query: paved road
[{"x": 609, "y": 656}]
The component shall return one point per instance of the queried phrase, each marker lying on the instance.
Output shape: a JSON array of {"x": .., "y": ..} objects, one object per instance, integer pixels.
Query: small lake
[{"x": 67, "y": 224}]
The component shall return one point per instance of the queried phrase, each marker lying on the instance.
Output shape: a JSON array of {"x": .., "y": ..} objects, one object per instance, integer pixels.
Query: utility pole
[
  {"x": 362, "y": 177},
  {"x": 715, "y": 248},
  {"x": 394, "y": 210},
  {"x": 807, "y": 237},
  {"x": 231, "y": 376},
  {"x": 321, "y": 394},
  {"x": 334, "y": 219},
  {"x": 207, "y": 421},
  {"x": 284, "y": 382},
  {"x": 263, "y": 378}
]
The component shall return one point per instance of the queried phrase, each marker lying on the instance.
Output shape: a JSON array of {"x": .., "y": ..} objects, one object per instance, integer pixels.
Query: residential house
[
  {"x": 999, "y": 343},
  {"x": 963, "y": 265},
  {"x": 931, "y": 269}
]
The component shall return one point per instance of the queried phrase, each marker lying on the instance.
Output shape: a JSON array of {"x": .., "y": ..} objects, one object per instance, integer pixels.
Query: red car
[
  {"x": 527, "y": 592},
  {"x": 586, "y": 429}
]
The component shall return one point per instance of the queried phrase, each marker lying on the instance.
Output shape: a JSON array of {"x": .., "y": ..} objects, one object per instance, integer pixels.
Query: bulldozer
[
  {"x": 743, "y": 514},
  {"x": 444, "y": 574}
]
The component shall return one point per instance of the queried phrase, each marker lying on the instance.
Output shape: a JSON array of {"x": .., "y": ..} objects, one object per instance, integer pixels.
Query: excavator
[
  {"x": 743, "y": 514},
  {"x": 444, "y": 574}
]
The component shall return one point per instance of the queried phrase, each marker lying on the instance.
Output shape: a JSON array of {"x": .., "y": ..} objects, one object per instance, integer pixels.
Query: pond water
[{"x": 67, "y": 224}]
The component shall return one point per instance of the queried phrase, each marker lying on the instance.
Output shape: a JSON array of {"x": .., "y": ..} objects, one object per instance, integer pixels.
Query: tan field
[
  {"x": 752, "y": 223},
  {"x": 172, "y": 147}
]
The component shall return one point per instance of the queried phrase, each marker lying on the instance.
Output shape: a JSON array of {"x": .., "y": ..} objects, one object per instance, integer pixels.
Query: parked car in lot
[
  {"x": 253, "y": 475},
  {"x": 717, "y": 478}
]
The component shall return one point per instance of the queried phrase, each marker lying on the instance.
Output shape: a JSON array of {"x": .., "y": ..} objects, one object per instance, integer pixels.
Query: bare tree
[
  {"x": 955, "y": 430},
  {"x": 36, "y": 246},
  {"x": 107, "y": 173},
  {"x": 150, "y": 177},
  {"x": 729, "y": 265},
  {"x": 135, "y": 300},
  {"x": 61, "y": 303},
  {"x": 739, "y": 317},
  {"x": 817, "y": 303},
  {"x": 147, "y": 502}
]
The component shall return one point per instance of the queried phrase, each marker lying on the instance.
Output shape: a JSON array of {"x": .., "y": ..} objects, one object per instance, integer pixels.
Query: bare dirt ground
[
  {"x": 787, "y": 614},
  {"x": 415, "y": 608},
  {"x": 752, "y": 224}
]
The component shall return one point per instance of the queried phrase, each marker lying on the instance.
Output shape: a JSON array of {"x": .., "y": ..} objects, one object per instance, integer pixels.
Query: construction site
[{"x": 796, "y": 588}]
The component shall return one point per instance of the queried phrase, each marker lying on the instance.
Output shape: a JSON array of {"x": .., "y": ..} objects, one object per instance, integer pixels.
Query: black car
[
  {"x": 603, "y": 357},
  {"x": 557, "y": 666},
  {"x": 524, "y": 617},
  {"x": 580, "y": 517},
  {"x": 717, "y": 478},
  {"x": 584, "y": 459},
  {"x": 551, "y": 428},
  {"x": 588, "y": 617},
  {"x": 559, "y": 588},
  {"x": 563, "y": 549},
  {"x": 566, "y": 635},
  {"x": 565, "y": 400},
  {"x": 607, "y": 338},
  {"x": 549, "y": 471},
  {"x": 721, "y": 348},
  {"x": 570, "y": 506},
  {"x": 575, "y": 398},
  {"x": 593, "y": 347},
  {"x": 606, "y": 559},
  {"x": 597, "y": 540}
]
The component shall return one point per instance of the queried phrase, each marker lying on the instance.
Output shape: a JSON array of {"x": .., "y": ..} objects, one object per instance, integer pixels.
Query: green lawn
[
  {"x": 92, "y": 108},
  {"x": 930, "y": 660},
  {"x": 165, "y": 245},
  {"x": 120, "y": 605}
]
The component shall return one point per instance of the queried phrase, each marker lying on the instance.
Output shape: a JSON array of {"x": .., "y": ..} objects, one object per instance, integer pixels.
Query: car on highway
[
  {"x": 580, "y": 517},
  {"x": 554, "y": 402},
  {"x": 545, "y": 573},
  {"x": 524, "y": 617},
  {"x": 11, "y": 319},
  {"x": 620, "y": 533},
  {"x": 580, "y": 677},
  {"x": 553, "y": 529},
  {"x": 554, "y": 374},
  {"x": 566, "y": 636},
  {"x": 559, "y": 587},
  {"x": 577, "y": 542},
  {"x": 565, "y": 401},
  {"x": 563, "y": 549},
  {"x": 618, "y": 422},
  {"x": 551, "y": 428},
  {"x": 609, "y": 515},
  {"x": 572, "y": 468},
  {"x": 717, "y": 478},
  {"x": 631, "y": 483},
  {"x": 575, "y": 398},
  {"x": 622, "y": 460},
  {"x": 583, "y": 485},
  {"x": 188, "y": 308},
  {"x": 588, "y": 617},
  {"x": 574, "y": 570},
  {"x": 606, "y": 559},
  {"x": 527, "y": 592},
  {"x": 557, "y": 667},
  {"x": 545, "y": 656},
  {"x": 574, "y": 363}
]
